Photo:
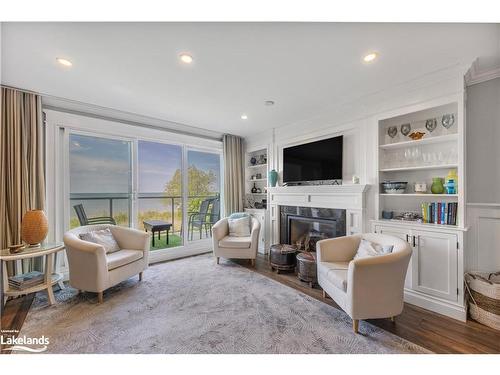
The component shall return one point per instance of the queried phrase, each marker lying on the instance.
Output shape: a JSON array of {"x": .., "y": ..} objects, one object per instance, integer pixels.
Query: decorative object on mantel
[
  {"x": 483, "y": 297},
  {"x": 387, "y": 215},
  {"x": 448, "y": 120},
  {"x": 416, "y": 135},
  {"x": 17, "y": 248},
  {"x": 273, "y": 177},
  {"x": 431, "y": 124},
  {"x": 262, "y": 159},
  {"x": 258, "y": 176},
  {"x": 355, "y": 179},
  {"x": 405, "y": 129},
  {"x": 254, "y": 189},
  {"x": 394, "y": 187},
  {"x": 437, "y": 185},
  {"x": 253, "y": 160},
  {"x": 34, "y": 227},
  {"x": 420, "y": 187},
  {"x": 392, "y": 131}
]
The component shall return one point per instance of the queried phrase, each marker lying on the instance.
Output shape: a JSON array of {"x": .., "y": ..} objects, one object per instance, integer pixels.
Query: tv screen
[{"x": 320, "y": 160}]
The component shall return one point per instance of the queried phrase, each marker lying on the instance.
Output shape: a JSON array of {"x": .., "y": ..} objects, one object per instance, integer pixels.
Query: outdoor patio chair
[{"x": 84, "y": 220}]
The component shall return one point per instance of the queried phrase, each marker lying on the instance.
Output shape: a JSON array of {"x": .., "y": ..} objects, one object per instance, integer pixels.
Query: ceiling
[{"x": 305, "y": 68}]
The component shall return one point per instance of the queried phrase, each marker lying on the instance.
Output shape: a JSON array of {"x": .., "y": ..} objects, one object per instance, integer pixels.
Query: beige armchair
[
  {"x": 235, "y": 247},
  {"x": 365, "y": 288},
  {"x": 91, "y": 269}
]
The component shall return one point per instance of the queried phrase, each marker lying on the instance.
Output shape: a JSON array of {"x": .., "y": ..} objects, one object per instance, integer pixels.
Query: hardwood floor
[
  {"x": 425, "y": 328},
  {"x": 14, "y": 315},
  {"x": 432, "y": 331}
]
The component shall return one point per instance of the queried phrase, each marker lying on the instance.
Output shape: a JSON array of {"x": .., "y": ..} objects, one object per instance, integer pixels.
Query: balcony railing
[{"x": 109, "y": 205}]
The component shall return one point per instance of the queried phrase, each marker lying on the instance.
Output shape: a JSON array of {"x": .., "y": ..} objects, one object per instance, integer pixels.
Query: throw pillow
[
  {"x": 239, "y": 227},
  {"x": 368, "y": 249},
  {"x": 102, "y": 237}
]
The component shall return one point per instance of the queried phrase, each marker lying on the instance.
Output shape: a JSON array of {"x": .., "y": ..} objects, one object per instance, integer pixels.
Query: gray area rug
[{"x": 193, "y": 305}]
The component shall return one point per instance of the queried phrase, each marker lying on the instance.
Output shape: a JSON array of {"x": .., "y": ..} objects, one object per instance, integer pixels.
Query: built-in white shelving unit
[
  {"x": 435, "y": 274},
  {"x": 256, "y": 169}
]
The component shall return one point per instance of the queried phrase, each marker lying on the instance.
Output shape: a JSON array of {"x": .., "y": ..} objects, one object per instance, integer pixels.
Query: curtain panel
[
  {"x": 21, "y": 161},
  {"x": 233, "y": 173}
]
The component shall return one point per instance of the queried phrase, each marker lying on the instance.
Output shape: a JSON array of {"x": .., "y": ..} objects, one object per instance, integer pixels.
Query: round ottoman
[
  {"x": 306, "y": 266},
  {"x": 283, "y": 257}
]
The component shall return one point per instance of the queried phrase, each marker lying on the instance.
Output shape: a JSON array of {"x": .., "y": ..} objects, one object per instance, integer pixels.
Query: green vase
[
  {"x": 273, "y": 178},
  {"x": 437, "y": 185}
]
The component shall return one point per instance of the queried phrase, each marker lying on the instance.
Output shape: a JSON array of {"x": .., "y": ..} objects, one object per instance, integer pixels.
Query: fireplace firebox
[{"x": 305, "y": 226}]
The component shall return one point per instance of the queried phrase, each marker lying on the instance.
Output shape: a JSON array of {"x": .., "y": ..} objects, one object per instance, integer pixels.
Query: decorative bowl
[
  {"x": 14, "y": 249},
  {"x": 394, "y": 187}
]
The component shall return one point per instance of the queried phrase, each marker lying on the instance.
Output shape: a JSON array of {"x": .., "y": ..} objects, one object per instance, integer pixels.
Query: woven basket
[{"x": 484, "y": 298}]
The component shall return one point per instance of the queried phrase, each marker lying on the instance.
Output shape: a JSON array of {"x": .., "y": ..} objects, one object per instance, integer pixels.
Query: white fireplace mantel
[{"x": 349, "y": 197}]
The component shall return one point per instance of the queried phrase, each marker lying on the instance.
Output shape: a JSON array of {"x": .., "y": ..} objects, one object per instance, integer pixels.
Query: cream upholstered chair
[
  {"x": 365, "y": 288},
  {"x": 227, "y": 246},
  {"x": 92, "y": 270}
]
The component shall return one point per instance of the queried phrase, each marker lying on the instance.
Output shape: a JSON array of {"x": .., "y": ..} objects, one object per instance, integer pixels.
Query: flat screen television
[{"x": 314, "y": 161}]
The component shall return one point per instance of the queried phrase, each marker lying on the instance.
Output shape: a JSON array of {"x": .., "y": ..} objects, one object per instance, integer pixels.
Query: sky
[{"x": 100, "y": 165}]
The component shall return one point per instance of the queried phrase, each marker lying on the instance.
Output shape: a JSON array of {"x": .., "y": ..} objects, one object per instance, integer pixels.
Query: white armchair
[
  {"x": 92, "y": 270},
  {"x": 235, "y": 247},
  {"x": 365, "y": 288}
]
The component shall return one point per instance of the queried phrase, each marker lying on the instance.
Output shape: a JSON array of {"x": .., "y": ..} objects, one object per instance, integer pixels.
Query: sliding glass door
[
  {"x": 203, "y": 190},
  {"x": 100, "y": 179},
  {"x": 169, "y": 190},
  {"x": 159, "y": 169}
]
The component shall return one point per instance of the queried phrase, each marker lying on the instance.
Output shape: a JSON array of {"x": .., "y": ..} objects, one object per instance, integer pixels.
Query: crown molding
[{"x": 475, "y": 76}]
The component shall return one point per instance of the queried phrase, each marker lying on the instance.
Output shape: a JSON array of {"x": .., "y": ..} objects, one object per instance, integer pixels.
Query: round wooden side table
[{"x": 48, "y": 251}]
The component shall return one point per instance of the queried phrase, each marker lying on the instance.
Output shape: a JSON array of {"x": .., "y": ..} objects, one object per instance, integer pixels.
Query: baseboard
[{"x": 439, "y": 306}]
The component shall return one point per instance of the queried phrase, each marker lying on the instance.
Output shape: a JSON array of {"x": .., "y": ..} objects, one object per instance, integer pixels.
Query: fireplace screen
[
  {"x": 305, "y": 232},
  {"x": 305, "y": 226}
]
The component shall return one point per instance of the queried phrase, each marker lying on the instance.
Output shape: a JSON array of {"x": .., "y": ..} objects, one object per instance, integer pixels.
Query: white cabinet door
[
  {"x": 435, "y": 264},
  {"x": 404, "y": 234}
]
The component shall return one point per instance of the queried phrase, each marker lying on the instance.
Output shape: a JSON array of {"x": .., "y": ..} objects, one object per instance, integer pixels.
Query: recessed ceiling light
[
  {"x": 186, "y": 58},
  {"x": 244, "y": 117},
  {"x": 370, "y": 57},
  {"x": 64, "y": 62},
  {"x": 269, "y": 102}
]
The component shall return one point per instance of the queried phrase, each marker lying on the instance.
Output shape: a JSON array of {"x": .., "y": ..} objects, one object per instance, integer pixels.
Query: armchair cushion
[
  {"x": 122, "y": 258},
  {"x": 370, "y": 249},
  {"x": 102, "y": 237},
  {"x": 239, "y": 227},
  {"x": 236, "y": 242}
]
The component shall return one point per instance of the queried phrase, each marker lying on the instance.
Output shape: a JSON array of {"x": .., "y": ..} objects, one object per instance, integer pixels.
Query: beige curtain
[
  {"x": 21, "y": 161},
  {"x": 233, "y": 174}
]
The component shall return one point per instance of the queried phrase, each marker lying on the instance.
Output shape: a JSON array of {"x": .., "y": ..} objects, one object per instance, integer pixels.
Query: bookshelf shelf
[
  {"x": 421, "y": 195},
  {"x": 421, "y": 142},
  {"x": 419, "y": 168}
]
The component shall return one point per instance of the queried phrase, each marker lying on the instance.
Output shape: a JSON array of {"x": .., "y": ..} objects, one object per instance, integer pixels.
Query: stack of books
[
  {"x": 26, "y": 280},
  {"x": 440, "y": 212}
]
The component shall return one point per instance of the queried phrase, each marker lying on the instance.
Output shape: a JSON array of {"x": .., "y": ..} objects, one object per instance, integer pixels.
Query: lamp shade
[{"x": 34, "y": 227}]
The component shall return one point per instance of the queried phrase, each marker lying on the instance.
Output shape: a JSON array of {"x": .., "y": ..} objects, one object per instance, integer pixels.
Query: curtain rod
[{"x": 110, "y": 118}]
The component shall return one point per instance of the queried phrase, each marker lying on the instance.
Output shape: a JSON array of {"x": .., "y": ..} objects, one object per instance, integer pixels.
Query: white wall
[
  {"x": 483, "y": 175},
  {"x": 357, "y": 121}
]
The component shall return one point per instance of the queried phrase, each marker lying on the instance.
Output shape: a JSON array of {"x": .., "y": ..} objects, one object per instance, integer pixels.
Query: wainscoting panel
[{"x": 483, "y": 239}]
